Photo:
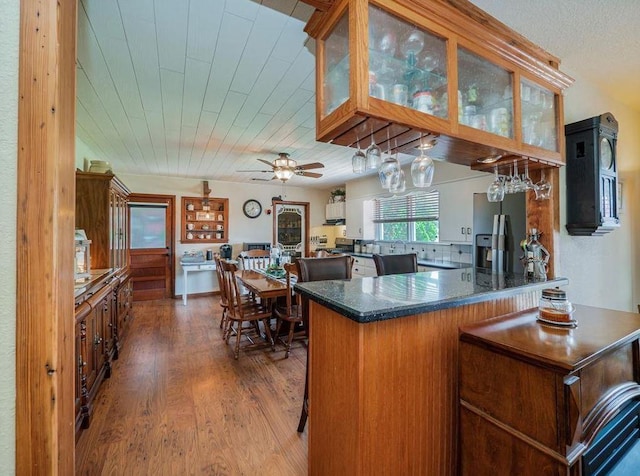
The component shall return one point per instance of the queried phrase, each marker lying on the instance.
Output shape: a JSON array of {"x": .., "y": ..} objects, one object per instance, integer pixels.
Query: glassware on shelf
[
  {"x": 400, "y": 94},
  {"x": 495, "y": 192},
  {"x": 413, "y": 44}
]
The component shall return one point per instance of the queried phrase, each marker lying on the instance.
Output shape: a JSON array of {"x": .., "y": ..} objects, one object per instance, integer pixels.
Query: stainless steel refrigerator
[{"x": 513, "y": 206}]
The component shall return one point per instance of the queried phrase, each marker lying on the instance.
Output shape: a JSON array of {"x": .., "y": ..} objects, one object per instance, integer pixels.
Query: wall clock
[
  {"x": 252, "y": 208},
  {"x": 592, "y": 176}
]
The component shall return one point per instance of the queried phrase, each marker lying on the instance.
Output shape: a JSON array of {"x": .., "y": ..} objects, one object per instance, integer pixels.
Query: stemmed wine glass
[
  {"x": 388, "y": 170},
  {"x": 374, "y": 154},
  {"x": 543, "y": 188},
  {"x": 495, "y": 192},
  {"x": 528, "y": 183},
  {"x": 516, "y": 183},
  {"x": 422, "y": 169},
  {"x": 398, "y": 183},
  {"x": 359, "y": 160}
]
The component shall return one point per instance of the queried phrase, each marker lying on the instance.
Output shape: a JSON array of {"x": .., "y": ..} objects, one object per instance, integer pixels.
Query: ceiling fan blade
[
  {"x": 264, "y": 171},
  {"x": 313, "y": 165},
  {"x": 308, "y": 174},
  {"x": 266, "y": 162}
]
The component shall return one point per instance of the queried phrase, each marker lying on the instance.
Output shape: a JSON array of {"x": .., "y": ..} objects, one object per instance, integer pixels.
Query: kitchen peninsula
[{"x": 383, "y": 364}]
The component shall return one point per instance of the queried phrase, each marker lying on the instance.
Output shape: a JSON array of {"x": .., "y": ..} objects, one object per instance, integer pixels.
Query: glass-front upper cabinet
[
  {"x": 407, "y": 65},
  {"x": 485, "y": 95},
  {"x": 538, "y": 115},
  {"x": 336, "y": 66}
]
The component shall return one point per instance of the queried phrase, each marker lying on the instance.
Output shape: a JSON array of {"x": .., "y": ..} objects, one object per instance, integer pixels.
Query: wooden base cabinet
[
  {"x": 103, "y": 311},
  {"x": 534, "y": 397}
]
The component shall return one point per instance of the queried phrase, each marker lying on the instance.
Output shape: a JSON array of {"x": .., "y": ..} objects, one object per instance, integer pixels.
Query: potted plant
[{"x": 338, "y": 195}]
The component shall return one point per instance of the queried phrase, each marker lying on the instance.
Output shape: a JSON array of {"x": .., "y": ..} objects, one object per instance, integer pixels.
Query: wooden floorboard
[{"x": 178, "y": 403}]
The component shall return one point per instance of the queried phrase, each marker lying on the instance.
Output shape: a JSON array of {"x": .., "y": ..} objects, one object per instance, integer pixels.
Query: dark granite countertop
[
  {"x": 424, "y": 262},
  {"x": 386, "y": 297}
]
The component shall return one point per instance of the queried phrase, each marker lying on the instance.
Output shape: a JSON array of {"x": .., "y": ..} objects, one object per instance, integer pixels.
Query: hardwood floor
[{"x": 177, "y": 402}]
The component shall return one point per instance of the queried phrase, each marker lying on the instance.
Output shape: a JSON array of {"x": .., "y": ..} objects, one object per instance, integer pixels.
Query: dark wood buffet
[{"x": 103, "y": 302}]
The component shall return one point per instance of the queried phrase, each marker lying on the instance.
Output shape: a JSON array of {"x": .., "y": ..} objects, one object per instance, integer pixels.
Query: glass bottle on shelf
[
  {"x": 406, "y": 61},
  {"x": 487, "y": 93}
]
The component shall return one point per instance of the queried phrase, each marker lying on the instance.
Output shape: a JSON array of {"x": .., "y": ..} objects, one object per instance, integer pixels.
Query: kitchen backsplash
[{"x": 456, "y": 253}]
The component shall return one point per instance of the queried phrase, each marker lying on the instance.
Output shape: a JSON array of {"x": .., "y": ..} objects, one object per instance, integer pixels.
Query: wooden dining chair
[
  {"x": 241, "y": 311},
  {"x": 318, "y": 269},
  {"x": 255, "y": 259},
  {"x": 396, "y": 264},
  {"x": 290, "y": 311},
  {"x": 224, "y": 302}
]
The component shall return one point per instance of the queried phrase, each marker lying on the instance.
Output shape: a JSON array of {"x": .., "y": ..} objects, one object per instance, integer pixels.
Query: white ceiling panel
[
  {"x": 231, "y": 42},
  {"x": 104, "y": 17},
  {"x": 269, "y": 78},
  {"x": 171, "y": 29},
  {"x": 202, "y": 88},
  {"x": 242, "y": 8},
  {"x": 136, "y": 10},
  {"x": 265, "y": 33},
  {"x": 116, "y": 55},
  {"x": 195, "y": 86},
  {"x": 205, "y": 17}
]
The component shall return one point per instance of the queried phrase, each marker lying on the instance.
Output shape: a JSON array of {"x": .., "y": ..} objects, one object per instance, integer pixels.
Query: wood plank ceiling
[
  {"x": 200, "y": 88},
  {"x": 203, "y": 88}
]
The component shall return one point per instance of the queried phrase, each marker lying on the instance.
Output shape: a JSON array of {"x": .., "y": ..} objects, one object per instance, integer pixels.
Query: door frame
[
  {"x": 170, "y": 202},
  {"x": 45, "y": 224}
]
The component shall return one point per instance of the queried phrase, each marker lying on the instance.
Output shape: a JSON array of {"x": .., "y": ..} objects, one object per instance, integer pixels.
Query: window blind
[{"x": 408, "y": 208}]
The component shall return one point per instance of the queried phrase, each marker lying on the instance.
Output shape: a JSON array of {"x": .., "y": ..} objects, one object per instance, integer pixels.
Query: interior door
[
  {"x": 291, "y": 227},
  {"x": 152, "y": 238}
]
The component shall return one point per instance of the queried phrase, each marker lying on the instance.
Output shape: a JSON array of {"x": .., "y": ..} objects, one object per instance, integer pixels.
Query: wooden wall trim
[{"x": 45, "y": 369}]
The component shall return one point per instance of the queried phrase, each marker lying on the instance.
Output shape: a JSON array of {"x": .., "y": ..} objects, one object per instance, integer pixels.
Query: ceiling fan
[{"x": 283, "y": 168}]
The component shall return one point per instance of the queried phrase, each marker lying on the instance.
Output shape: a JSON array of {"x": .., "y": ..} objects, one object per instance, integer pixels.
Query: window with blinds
[{"x": 412, "y": 217}]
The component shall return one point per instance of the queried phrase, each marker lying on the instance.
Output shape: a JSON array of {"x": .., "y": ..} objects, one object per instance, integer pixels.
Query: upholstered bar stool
[
  {"x": 318, "y": 269},
  {"x": 396, "y": 264}
]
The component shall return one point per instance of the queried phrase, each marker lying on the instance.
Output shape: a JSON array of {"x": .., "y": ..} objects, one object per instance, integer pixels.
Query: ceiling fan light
[{"x": 283, "y": 173}]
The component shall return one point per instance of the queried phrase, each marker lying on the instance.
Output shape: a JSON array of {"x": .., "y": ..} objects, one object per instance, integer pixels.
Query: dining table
[{"x": 261, "y": 284}]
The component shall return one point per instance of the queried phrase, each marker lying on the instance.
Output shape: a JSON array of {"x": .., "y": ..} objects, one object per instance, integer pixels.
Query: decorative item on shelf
[
  {"x": 82, "y": 257},
  {"x": 536, "y": 257},
  {"x": 338, "y": 195},
  {"x": 422, "y": 167},
  {"x": 100, "y": 167}
]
